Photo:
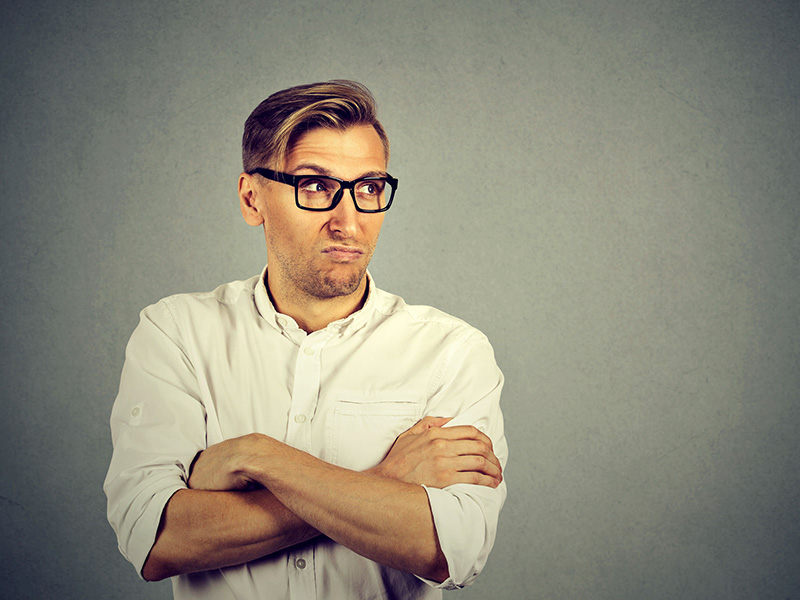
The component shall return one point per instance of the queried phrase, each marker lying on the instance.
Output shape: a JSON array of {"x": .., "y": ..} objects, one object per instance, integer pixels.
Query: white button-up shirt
[{"x": 203, "y": 368}]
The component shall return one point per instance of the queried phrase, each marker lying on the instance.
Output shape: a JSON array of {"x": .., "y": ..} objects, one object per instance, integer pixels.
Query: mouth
[{"x": 340, "y": 253}]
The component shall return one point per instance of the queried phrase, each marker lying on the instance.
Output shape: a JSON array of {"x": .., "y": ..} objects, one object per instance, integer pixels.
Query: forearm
[
  {"x": 385, "y": 520},
  {"x": 383, "y": 515},
  {"x": 202, "y": 530}
]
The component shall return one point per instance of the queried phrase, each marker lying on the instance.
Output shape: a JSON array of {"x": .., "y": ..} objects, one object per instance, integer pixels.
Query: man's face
[{"x": 322, "y": 254}]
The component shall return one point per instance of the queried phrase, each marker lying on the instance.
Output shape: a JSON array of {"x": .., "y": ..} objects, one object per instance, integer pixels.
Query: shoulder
[
  {"x": 227, "y": 298},
  {"x": 428, "y": 320}
]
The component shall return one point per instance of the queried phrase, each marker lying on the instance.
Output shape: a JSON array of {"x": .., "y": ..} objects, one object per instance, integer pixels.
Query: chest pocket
[{"x": 364, "y": 429}]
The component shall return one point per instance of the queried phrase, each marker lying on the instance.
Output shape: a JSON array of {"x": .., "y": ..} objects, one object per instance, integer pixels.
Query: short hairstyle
[{"x": 276, "y": 124}]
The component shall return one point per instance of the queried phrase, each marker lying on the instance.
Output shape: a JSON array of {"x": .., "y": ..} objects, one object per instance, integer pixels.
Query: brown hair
[{"x": 276, "y": 123}]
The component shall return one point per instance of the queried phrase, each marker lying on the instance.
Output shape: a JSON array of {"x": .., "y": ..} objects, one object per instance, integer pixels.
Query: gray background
[{"x": 608, "y": 189}]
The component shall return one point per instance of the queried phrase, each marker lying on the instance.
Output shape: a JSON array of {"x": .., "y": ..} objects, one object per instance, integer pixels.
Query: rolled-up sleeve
[
  {"x": 465, "y": 516},
  {"x": 157, "y": 428}
]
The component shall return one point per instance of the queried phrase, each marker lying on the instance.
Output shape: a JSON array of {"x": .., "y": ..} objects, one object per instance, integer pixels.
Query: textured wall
[{"x": 608, "y": 189}]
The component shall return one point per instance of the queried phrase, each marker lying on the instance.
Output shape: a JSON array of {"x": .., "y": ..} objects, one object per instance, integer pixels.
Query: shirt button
[
  {"x": 135, "y": 412},
  {"x": 309, "y": 351},
  {"x": 300, "y": 563},
  {"x": 300, "y": 419}
]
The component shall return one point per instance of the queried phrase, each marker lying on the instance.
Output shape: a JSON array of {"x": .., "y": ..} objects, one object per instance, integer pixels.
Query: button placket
[
  {"x": 305, "y": 392},
  {"x": 302, "y": 579}
]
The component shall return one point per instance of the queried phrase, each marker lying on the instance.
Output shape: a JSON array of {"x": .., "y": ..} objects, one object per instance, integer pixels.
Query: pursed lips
[{"x": 343, "y": 253}]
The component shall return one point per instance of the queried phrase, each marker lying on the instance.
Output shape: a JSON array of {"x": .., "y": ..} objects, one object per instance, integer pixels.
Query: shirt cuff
[
  {"x": 136, "y": 548},
  {"x": 465, "y": 517}
]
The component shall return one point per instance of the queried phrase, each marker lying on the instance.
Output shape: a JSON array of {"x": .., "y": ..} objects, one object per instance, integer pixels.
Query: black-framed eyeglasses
[{"x": 321, "y": 192}]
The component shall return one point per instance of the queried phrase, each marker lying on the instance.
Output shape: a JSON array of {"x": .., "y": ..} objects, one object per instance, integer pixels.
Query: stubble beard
[
  {"x": 315, "y": 283},
  {"x": 324, "y": 286}
]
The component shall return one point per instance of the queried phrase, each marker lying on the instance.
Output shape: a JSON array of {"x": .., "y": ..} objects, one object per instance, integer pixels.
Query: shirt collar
[{"x": 286, "y": 324}]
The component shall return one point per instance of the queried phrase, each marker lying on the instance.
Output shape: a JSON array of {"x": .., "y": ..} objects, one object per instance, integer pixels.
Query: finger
[
  {"x": 480, "y": 464},
  {"x": 467, "y": 455},
  {"x": 475, "y": 478},
  {"x": 429, "y": 422},
  {"x": 479, "y": 448},
  {"x": 477, "y": 463},
  {"x": 463, "y": 432},
  {"x": 464, "y": 447}
]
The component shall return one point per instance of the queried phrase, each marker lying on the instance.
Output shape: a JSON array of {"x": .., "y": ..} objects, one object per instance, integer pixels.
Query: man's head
[
  {"x": 307, "y": 134},
  {"x": 276, "y": 124}
]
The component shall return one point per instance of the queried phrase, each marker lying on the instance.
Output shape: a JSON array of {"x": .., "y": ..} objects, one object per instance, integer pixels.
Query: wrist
[
  {"x": 377, "y": 471},
  {"x": 258, "y": 457}
]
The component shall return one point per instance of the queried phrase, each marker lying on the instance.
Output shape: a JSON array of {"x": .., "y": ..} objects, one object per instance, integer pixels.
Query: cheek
[
  {"x": 277, "y": 232},
  {"x": 281, "y": 235},
  {"x": 294, "y": 233},
  {"x": 277, "y": 223},
  {"x": 374, "y": 229}
]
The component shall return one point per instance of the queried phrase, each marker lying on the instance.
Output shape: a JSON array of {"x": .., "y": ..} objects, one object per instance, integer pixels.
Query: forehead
[{"x": 347, "y": 153}]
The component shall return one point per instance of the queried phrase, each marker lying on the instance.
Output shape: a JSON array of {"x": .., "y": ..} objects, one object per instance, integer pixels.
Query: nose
[{"x": 344, "y": 217}]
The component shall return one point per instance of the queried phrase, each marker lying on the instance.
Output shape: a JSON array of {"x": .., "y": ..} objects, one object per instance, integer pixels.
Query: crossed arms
[
  {"x": 382, "y": 514},
  {"x": 167, "y": 411}
]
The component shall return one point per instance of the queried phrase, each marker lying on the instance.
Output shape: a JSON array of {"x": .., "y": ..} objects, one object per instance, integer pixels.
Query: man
[{"x": 303, "y": 434}]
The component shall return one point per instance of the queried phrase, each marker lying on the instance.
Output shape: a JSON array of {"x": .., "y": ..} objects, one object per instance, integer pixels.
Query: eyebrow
[{"x": 327, "y": 173}]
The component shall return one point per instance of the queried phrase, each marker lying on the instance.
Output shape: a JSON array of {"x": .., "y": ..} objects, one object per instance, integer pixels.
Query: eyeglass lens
[{"x": 320, "y": 192}]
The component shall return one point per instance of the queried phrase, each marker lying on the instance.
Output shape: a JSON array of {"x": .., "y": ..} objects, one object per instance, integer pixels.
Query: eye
[
  {"x": 313, "y": 186},
  {"x": 371, "y": 188}
]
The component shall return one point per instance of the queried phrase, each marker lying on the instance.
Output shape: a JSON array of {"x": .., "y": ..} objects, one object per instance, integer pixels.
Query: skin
[
  {"x": 382, "y": 513},
  {"x": 317, "y": 260},
  {"x": 316, "y": 275}
]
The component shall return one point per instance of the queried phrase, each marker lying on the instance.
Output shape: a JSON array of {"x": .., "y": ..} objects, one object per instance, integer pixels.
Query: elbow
[
  {"x": 440, "y": 571},
  {"x": 156, "y": 568},
  {"x": 152, "y": 572},
  {"x": 435, "y": 568}
]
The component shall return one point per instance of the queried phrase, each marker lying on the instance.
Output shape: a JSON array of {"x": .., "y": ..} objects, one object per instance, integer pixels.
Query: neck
[{"x": 312, "y": 313}]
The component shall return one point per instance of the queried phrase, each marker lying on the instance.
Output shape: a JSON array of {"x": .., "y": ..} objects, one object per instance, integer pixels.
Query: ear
[{"x": 248, "y": 192}]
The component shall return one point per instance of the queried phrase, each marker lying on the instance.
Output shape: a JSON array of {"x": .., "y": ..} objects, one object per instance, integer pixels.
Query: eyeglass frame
[{"x": 293, "y": 180}]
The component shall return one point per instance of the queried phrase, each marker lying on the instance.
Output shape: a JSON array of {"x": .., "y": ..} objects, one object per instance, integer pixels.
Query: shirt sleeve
[
  {"x": 465, "y": 515},
  {"x": 157, "y": 428}
]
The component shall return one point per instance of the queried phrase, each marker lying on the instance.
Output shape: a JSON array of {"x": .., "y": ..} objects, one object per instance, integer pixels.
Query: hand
[
  {"x": 438, "y": 456},
  {"x": 222, "y": 466}
]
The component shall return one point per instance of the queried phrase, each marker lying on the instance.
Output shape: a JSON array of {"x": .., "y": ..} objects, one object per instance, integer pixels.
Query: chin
[{"x": 332, "y": 286}]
